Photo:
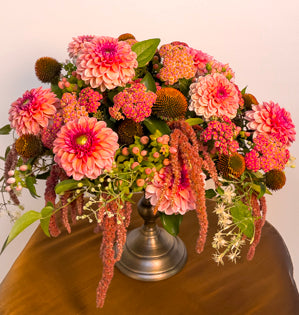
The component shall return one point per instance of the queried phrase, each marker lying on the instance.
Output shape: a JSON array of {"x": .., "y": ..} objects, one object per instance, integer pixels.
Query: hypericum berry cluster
[
  {"x": 223, "y": 134},
  {"x": 145, "y": 156},
  {"x": 16, "y": 178},
  {"x": 133, "y": 103}
]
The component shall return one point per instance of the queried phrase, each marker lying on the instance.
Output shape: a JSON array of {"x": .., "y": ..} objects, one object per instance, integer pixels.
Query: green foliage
[
  {"x": 5, "y": 130},
  {"x": 145, "y": 50},
  {"x": 155, "y": 124},
  {"x": 210, "y": 193},
  {"x": 20, "y": 225},
  {"x": 46, "y": 213},
  {"x": 149, "y": 82},
  {"x": 171, "y": 223},
  {"x": 194, "y": 121},
  {"x": 243, "y": 219},
  {"x": 30, "y": 181},
  {"x": 69, "y": 184}
]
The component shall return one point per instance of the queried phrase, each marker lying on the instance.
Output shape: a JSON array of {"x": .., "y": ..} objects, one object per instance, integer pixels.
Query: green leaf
[
  {"x": 20, "y": 225},
  {"x": 7, "y": 151},
  {"x": 154, "y": 124},
  {"x": 68, "y": 184},
  {"x": 45, "y": 219},
  {"x": 263, "y": 190},
  {"x": 194, "y": 121},
  {"x": 184, "y": 85},
  {"x": 171, "y": 223},
  {"x": 149, "y": 82},
  {"x": 243, "y": 219},
  {"x": 244, "y": 90},
  {"x": 220, "y": 191},
  {"x": 30, "y": 181},
  {"x": 5, "y": 130},
  {"x": 145, "y": 50},
  {"x": 43, "y": 175},
  {"x": 210, "y": 193}
]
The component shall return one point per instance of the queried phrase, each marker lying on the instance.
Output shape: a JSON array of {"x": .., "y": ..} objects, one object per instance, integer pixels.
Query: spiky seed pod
[
  {"x": 233, "y": 164},
  {"x": 275, "y": 179},
  {"x": 249, "y": 100},
  {"x": 47, "y": 69},
  {"x": 171, "y": 104},
  {"x": 126, "y": 36},
  {"x": 127, "y": 130},
  {"x": 28, "y": 146}
]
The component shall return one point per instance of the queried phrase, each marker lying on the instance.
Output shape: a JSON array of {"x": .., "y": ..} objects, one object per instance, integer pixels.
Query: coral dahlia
[
  {"x": 183, "y": 200},
  {"x": 85, "y": 147},
  {"x": 273, "y": 120},
  {"x": 77, "y": 44},
  {"x": 30, "y": 113},
  {"x": 106, "y": 63},
  {"x": 214, "y": 95}
]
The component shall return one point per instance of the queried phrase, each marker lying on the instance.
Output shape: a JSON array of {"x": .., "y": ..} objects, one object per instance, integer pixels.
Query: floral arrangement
[{"x": 123, "y": 116}]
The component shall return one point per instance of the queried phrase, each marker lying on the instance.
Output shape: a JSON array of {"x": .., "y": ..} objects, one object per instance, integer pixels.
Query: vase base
[{"x": 152, "y": 255}]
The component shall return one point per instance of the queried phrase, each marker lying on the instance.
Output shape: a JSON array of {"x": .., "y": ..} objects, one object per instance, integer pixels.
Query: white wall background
[{"x": 259, "y": 38}]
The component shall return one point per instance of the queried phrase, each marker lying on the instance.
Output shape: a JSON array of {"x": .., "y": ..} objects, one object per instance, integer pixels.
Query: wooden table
[{"x": 60, "y": 276}]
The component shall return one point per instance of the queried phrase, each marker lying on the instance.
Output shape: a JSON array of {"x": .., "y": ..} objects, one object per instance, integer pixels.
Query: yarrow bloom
[
  {"x": 106, "y": 63},
  {"x": 267, "y": 154},
  {"x": 71, "y": 110},
  {"x": 273, "y": 120},
  {"x": 214, "y": 95},
  {"x": 77, "y": 44},
  {"x": 183, "y": 200},
  {"x": 85, "y": 147},
  {"x": 90, "y": 99},
  {"x": 133, "y": 103},
  {"x": 177, "y": 64},
  {"x": 30, "y": 113},
  {"x": 223, "y": 134}
]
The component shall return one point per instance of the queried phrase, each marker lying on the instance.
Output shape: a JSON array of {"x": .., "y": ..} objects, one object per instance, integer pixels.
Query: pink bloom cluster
[
  {"x": 214, "y": 66},
  {"x": 271, "y": 119},
  {"x": 90, "y": 99},
  {"x": 106, "y": 63},
  {"x": 30, "y": 113},
  {"x": 200, "y": 60},
  {"x": 77, "y": 44},
  {"x": 71, "y": 110},
  {"x": 134, "y": 103},
  {"x": 267, "y": 154},
  {"x": 214, "y": 95},
  {"x": 223, "y": 135},
  {"x": 183, "y": 200},
  {"x": 177, "y": 64},
  {"x": 85, "y": 147}
]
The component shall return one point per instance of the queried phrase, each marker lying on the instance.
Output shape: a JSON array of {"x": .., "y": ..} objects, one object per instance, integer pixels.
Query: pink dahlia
[
  {"x": 200, "y": 60},
  {"x": 214, "y": 95},
  {"x": 30, "y": 113},
  {"x": 273, "y": 120},
  {"x": 77, "y": 44},
  {"x": 184, "y": 199},
  {"x": 85, "y": 147},
  {"x": 106, "y": 63}
]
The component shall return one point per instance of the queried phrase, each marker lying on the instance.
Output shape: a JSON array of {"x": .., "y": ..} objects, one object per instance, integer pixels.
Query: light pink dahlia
[
  {"x": 30, "y": 113},
  {"x": 214, "y": 95},
  {"x": 85, "y": 147},
  {"x": 184, "y": 199},
  {"x": 77, "y": 44},
  {"x": 106, "y": 63},
  {"x": 273, "y": 120}
]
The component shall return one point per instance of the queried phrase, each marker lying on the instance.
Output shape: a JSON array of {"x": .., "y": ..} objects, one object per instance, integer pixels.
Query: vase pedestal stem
[{"x": 151, "y": 253}]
